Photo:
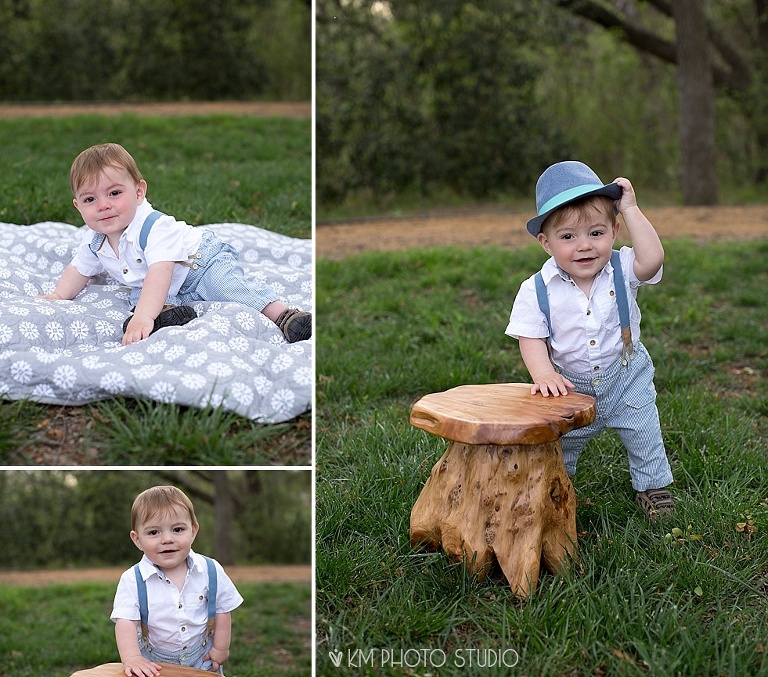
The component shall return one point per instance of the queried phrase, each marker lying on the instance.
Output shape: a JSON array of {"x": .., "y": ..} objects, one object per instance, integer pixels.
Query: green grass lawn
[
  {"x": 684, "y": 597},
  {"x": 58, "y": 629},
  {"x": 208, "y": 169}
]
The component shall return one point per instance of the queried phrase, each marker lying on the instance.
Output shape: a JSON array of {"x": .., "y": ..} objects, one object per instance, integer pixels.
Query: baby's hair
[
  {"x": 159, "y": 500},
  {"x": 581, "y": 209},
  {"x": 89, "y": 165}
]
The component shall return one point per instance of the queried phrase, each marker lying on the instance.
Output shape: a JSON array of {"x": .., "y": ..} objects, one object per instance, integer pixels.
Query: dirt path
[
  {"x": 301, "y": 109},
  {"x": 254, "y": 574},
  {"x": 337, "y": 240}
]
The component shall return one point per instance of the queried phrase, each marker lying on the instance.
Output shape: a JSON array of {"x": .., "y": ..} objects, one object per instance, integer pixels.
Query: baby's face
[
  {"x": 166, "y": 538},
  {"x": 109, "y": 204},
  {"x": 581, "y": 247}
]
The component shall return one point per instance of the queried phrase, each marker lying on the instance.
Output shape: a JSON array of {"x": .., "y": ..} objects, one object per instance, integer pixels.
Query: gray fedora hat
[{"x": 566, "y": 182}]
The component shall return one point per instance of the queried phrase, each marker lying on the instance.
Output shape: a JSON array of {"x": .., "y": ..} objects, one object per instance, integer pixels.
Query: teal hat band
[{"x": 567, "y": 196}]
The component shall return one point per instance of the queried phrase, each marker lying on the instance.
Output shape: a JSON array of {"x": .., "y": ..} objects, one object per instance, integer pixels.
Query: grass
[
  {"x": 122, "y": 432},
  {"x": 143, "y": 433},
  {"x": 683, "y": 597},
  {"x": 207, "y": 169},
  {"x": 56, "y": 630}
]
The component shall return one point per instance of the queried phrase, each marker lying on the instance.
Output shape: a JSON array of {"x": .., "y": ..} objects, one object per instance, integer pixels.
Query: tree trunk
[
  {"x": 223, "y": 518},
  {"x": 513, "y": 505},
  {"x": 697, "y": 104}
]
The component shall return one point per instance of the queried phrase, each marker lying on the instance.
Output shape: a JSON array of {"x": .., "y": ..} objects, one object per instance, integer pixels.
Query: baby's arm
[
  {"x": 134, "y": 664},
  {"x": 649, "y": 254},
  {"x": 70, "y": 284},
  {"x": 221, "y": 637},
  {"x": 154, "y": 292},
  {"x": 545, "y": 379}
]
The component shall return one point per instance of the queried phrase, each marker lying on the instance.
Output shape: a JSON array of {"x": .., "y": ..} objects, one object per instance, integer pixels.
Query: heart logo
[{"x": 335, "y": 657}]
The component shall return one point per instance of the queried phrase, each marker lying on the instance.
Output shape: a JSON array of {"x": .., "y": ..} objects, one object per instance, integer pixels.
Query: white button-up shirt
[
  {"x": 169, "y": 240},
  {"x": 586, "y": 336},
  {"x": 177, "y": 618}
]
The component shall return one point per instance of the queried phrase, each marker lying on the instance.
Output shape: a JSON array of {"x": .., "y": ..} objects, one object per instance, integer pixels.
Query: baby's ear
[
  {"x": 135, "y": 539},
  {"x": 544, "y": 242}
]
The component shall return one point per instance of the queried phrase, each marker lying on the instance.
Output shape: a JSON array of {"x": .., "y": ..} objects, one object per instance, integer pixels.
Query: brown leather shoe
[
  {"x": 296, "y": 325},
  {"x": 655, "y": 502}
]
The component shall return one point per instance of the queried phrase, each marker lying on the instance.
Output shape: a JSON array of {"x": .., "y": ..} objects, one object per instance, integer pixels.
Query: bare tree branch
[
  {"x": 662, "y": 5},
  {"x": 181, "y": 477},
  {"x": 636, "y": 36},
  {"x": 737, "y": 77}
]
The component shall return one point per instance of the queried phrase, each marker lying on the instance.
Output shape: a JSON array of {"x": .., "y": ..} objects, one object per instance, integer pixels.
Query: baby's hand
[
  {"x": 53, "y": 296},
  {"x": 138, "y": 328},
  {"x": 628, "y": 198},
  {"x": 217, "y": 658},
  {"x": 554, "y": 384},
  {"x": 138, "y": 666}
]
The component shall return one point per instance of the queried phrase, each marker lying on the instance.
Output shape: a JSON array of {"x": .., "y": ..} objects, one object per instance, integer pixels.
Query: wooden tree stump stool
[
  {"x": 500, "y": 492},
  {"x": 116, "y": 670}
]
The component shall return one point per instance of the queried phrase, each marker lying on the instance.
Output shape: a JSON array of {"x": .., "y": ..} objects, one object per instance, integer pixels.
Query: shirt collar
[
  {"x": 550, "y": 269},
  {"x": 148, "y": 569}
]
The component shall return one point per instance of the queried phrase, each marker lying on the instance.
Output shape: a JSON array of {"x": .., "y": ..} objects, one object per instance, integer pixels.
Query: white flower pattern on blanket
[{"x": 70, "y": 352}]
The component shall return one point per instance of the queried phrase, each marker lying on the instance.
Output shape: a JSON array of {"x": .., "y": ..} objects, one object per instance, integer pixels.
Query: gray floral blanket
[{"x": 70, "y": 352}]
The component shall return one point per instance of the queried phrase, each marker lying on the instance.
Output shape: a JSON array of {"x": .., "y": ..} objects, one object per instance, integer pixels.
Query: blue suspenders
[
  {"x": 621, "y": 302},
  {"x": 141, "y": 584},
  {"x": 98, "y": 239},
  {"x": 146, "y": 227}
]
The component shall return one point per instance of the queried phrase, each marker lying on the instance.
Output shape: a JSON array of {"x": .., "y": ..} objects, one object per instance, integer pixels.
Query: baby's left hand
[
  {"x": 137, "y": 329},
  {"x": 217, "y": 657},
  {"x": 628, "y": 198}
]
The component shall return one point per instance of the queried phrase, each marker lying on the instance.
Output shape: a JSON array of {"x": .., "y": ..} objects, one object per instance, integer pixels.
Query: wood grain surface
[
  {"x": 116, "y": 670},
  {"x": 501, "y": 413}
]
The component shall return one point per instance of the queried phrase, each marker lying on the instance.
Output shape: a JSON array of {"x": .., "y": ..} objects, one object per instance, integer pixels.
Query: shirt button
[
  {"x": 181, "y": 606},
  {"x": 138, "y": 260},
  {"x": 592, "y": 342},
  {"x": 183, "y": 629},
  {"x": 596, "y": 368},
  {"x": 589, "y": 312},
  {"x": 201, "y": 597},
  {"x": 125, "y": 271},
  {"x": 612, "y": 292}
]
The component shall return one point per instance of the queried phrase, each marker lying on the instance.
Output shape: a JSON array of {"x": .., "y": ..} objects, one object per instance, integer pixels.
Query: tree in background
[
  {"x": 478, "y": 98},
  {"x": 114, "y": 50},
  {"x": 413, "y": 96},
  {"x": 257, "y": 516},
  {"x": 52, "y": 518},
  {"x": 716, "y": 46}
]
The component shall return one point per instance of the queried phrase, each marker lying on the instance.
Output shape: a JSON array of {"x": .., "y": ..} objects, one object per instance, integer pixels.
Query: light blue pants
[
  {"x": 216, "y": 276},
  {"x": 192, "y": 658},
  {"x": 626, "y": 402}
]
